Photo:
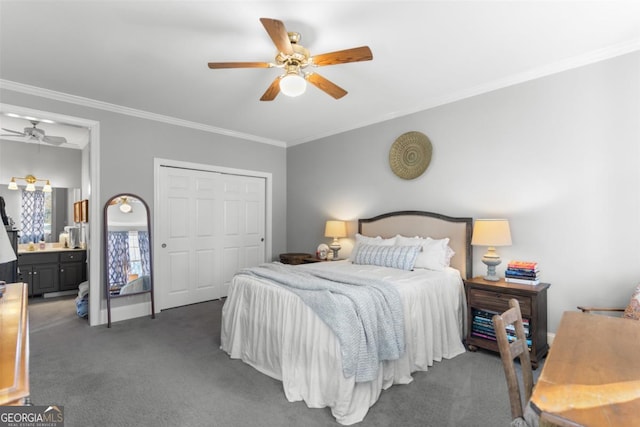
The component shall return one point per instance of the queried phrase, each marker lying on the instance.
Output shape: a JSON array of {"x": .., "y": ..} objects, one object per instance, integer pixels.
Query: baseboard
[
  {"x": 128, "y": 308},
  {"x": 550, "y": 337},
  {"x": 60, "y": 293}
]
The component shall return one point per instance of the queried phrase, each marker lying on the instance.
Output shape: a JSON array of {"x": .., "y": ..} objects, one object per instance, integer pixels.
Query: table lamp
[
  {"x": 491, "y": 233},
  {"x": 335, "y": 229}
]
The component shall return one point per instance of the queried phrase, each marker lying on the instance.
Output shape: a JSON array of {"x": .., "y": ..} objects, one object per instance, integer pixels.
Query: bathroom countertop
[{"x": 37, "y": 250}]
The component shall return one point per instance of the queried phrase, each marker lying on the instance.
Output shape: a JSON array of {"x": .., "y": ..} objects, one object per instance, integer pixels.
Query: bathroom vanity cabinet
[{"x": 52, "y": 270}]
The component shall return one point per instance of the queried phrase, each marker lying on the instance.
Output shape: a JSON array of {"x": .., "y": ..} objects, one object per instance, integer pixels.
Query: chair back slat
[{"x": 509, "y": 350}]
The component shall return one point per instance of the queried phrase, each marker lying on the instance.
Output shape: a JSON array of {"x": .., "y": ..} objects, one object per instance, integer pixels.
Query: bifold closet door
[{"x": 210, "y": 225}]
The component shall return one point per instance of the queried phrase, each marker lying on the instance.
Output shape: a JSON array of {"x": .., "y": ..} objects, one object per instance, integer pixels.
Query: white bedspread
[{"x": 272, "y": 330}]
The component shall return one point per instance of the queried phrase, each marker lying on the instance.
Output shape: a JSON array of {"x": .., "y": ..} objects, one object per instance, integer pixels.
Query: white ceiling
[{"x": 151, "y": 56}]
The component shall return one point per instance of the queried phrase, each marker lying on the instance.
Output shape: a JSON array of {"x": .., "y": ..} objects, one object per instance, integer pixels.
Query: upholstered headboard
[{"x": 426, "y": 224}]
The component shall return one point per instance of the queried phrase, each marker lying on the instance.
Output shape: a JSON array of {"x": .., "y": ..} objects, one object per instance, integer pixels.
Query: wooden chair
[
  {"x": 631, "y": 311},
  {"x": 509, "y": 350},
  {"x": 591, "y": 309}
]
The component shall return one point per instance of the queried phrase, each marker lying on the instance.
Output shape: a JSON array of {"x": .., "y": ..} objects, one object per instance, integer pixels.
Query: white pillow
[
  {"x": 435, "y": 255},
  {"x": 366, "y": 240}
]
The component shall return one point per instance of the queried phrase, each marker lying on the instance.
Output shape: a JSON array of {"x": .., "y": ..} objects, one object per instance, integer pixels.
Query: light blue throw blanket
[{"x": 365, "y": 314}]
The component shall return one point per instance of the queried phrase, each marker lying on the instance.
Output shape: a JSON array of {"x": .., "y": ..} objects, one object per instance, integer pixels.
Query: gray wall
[
  {"x": 128, "y": 146},
  {"x": 558, "y": 156}
]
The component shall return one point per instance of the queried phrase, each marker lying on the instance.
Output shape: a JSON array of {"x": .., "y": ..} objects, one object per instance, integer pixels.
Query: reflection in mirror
[
  {"x": 39, "y": 215},
  {"x": 127, "y": 239}
]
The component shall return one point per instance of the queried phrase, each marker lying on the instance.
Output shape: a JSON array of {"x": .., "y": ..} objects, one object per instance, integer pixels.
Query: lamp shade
[
  {"x": 335, "y": 229},
  {"x": 293, "y": 84},
  {"x": 491, "y": 232},
  {"x": 7, "y": 254}
]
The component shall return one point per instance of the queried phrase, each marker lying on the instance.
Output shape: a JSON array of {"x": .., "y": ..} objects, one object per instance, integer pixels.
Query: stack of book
[
  {"x": 522, "y": 272},
  {"x": 511, "y": 332},
  {"x": 482, "y": 327}
]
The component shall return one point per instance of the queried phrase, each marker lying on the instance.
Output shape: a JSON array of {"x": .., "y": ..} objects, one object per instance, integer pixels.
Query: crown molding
[
  {"x": 535, "y": 73},
  {"x": 114, "y": 108}
]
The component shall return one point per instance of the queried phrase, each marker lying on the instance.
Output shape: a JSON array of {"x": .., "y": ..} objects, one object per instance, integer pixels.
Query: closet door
[
  {"x": 210, "y": 225},
  {"x": 243, "y": 219}
]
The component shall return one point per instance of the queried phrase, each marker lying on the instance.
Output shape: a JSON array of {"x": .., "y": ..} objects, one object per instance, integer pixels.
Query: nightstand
[
  {"x": 485, "y": 298},
  {"x": 294, "y": 258}
]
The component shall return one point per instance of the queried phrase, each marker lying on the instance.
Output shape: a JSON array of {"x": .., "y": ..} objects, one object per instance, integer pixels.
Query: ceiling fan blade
[
  {"x": 356, "y": 54},
  {"x": 14, "y": 132},
  {"x": 278, "y": 34},
  {"x": 54, "y": 140},
  {"x": 216, "y": 65},
  {"x": 325, "y": 85},
  {"x": 272, "y": 91}
]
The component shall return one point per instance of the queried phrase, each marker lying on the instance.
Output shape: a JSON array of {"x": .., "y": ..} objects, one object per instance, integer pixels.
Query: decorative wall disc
[{"x": 410, "y": 155}]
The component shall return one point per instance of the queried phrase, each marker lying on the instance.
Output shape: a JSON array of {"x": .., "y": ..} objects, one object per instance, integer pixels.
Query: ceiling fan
[
  {"x": 294, "y": 58},
  {"x": 36, "y": 133}
]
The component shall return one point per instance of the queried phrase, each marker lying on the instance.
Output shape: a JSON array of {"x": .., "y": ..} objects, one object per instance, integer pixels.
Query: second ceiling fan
[{"x": 294, "y": 58}]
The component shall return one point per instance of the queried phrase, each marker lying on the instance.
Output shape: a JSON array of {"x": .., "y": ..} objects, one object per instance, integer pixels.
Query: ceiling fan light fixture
[
  {"x": 125, "y": 207},
  {"x": 293, "y": 84}
]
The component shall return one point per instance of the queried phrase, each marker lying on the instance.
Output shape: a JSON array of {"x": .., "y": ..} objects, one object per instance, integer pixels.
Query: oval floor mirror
[{"x": 127, "y": 249}]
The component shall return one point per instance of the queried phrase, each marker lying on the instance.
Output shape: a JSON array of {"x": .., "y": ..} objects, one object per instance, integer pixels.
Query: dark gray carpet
[{"x": 171, "y": 372}]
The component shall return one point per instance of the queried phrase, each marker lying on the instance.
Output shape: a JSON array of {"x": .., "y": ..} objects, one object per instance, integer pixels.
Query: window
[
  {"x": 135, "y": 260},
  {"x": 35, "y": 216}
]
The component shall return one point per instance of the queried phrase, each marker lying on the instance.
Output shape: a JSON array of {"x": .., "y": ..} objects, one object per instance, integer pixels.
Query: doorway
[
  {"x": 89, "y": 190},
  {"x": 210, "y": 222}
]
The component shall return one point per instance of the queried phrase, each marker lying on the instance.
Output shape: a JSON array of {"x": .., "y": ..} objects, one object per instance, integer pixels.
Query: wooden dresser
[{"x": 14, "y": 345}]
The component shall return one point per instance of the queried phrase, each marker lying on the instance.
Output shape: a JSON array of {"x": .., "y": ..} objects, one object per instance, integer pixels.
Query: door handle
[{"x": 164, "y": 245}]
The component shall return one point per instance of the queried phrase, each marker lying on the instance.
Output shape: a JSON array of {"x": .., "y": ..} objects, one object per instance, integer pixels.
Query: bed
[{"x": 273, "y": 330}]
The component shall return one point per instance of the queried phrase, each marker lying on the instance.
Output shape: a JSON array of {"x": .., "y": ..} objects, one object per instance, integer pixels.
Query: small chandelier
[{"x": 31, "y": 183}]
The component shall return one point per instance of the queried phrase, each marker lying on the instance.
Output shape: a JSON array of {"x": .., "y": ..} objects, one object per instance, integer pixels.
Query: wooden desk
[
  {"x": 592, "y": 373},
  {"x": 14, "y": 345}
]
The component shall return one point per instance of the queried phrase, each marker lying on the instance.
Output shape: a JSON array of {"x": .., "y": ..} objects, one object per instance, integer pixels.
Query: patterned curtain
[
  {"x": 118, "y": 248},
  {"x": 32, "y": 216},
  {"x": 145, "y": 259}
]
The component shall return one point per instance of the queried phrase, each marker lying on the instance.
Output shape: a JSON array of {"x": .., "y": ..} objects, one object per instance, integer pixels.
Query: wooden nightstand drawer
[{"x": 499, "y": 301}]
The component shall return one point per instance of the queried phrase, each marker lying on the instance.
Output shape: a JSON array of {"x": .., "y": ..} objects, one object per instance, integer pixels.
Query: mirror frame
[{"x": 105, "y": 238}]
